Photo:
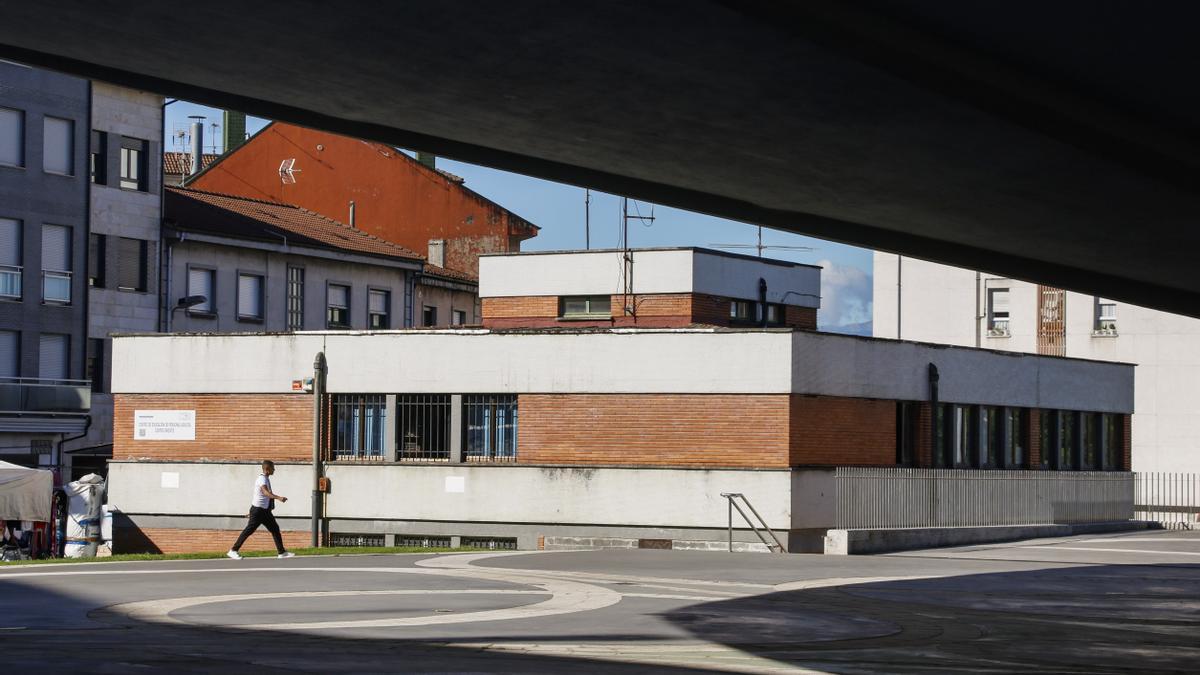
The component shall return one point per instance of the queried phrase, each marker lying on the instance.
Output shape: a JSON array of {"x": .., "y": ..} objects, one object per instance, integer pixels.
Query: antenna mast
[
  {"x": 627, "y": 256},
  {"x": 587, "y": 219}
]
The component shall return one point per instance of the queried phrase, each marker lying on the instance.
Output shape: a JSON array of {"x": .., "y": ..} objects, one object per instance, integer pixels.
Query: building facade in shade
[
  {"x": 535, "y": 435},
  {"x": 937, "y": 303},
  {"x": 263, "y": 266},
  {"x": 372, "y": 186},
  {"x": 44, "y": 214}
]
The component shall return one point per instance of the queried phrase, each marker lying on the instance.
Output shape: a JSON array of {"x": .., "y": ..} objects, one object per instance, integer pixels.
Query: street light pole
[{"x": 318, "y": 390}]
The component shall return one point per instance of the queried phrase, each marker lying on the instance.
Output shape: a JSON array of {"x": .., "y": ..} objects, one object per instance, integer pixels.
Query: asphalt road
[{"x": 1094, "y": 604}]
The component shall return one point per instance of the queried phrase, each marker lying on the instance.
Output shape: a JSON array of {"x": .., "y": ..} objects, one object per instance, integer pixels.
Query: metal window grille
[
  {"x": 422, "y": 541},
  {"x": 346, "y": 539},
  {"x": 358, "y": 426},
  {"x": 490, "y": 422},
  {"x": 423, "y": 427},
  {"x": 491, "y": 543},
  {"x": 295, "y": 298}
]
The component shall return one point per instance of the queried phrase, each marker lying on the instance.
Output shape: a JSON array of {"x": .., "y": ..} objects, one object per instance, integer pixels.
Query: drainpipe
[
  {"x": 933, "y": 406},
  {"x": 762, "y": 302},
  {"x": 319, "y": 370},
  {"x": 978, "y": 317},
  {"x": 899, "y": 294}
]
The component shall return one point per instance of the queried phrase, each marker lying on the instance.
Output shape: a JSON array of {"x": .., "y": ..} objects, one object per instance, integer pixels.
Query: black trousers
[{"x": 261, "y": 516}]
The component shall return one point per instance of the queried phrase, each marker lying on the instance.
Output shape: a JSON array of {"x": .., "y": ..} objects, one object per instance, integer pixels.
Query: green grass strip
[{"x": 329, "y": 550}]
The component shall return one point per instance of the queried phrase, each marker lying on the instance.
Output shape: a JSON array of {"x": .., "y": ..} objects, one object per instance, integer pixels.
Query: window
[
  {"x": 98, "y": 158},
  {"x": 56, "y": 264},
  {"x": 202, "y": 281},
  {"x": 1048, "y": 424},
  {"x": 133, "y": 164},
  {"x": 906, "y": 433},
  {"x": 1066, "y": 440},
  {"x": 429, "y": 316},
  {"x": 10, "y": 259},
  {"x": 95, "y": 364},
  {"x": 585, "y": 306},
  {"x": 359, "y": 423},
  {"x": 1114, "y": 442},
  {"x": 58, "y": 147},
  {"x": 12, "y": 137},
  {"x": 1015, "y": 429},
  {"x": 963, "y": 432},
  {"x": 10, "y": 353},
  {"x": 741, "y": 310},
  {"x": 54, "y": 356},
  {"x": 941, "y": 445},
  {"x": 997, "y": 312},
  {"x": 338, "y": 302},
  {"x": 379, "y": 309},
  {"x": 989, "y": 440},
  {"x": 423, "y": 427},
  {"x": 490, "y": 427},
  {"x": 458, "y": 317},
  {"x": 1089, "y": 441},
  {"x": 1105, "y": 317},
  {"x": 250, "y": 297},
  {"x": 97, "y": 251},
  {"x": 295, "y": 298},
  {"x": 775, "y": 314},
  {"x": 132, "y": 264}
]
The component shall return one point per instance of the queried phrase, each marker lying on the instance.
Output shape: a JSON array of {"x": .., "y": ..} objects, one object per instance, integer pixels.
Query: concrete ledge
[{"x": 850, "y": 542}]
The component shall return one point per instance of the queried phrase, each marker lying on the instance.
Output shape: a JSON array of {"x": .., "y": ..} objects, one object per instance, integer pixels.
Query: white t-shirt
[{"x": 260, "y": 500}]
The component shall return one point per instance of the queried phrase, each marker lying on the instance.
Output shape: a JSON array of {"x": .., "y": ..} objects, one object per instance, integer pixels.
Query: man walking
[{"x": 261, "y": 505}]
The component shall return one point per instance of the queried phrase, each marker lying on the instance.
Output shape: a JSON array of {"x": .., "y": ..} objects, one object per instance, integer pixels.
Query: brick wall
[
  {"x": 168, "y": 540},
  {"x": 523, "y": 307},
  {"x": 1127, "y": 440},
  {"x": 800, "y": 317},
  {"x": 1035, "y": 438},
  {"x": 228, "y": 426},
  {"x": 744, "y": 430},
  {"x": 924, "y": 434},
  {"x": 831, "y": 431}
]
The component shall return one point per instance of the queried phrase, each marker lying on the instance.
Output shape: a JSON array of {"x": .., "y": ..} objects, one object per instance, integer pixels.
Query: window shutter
[
  {"x": 131, "y": 263},
  {"x": 56, "y": 248},
  {"x": 12, "y": 128},
  {"x": 338, "y": 296},
  {"x": 58, "y": 149},
  {"x": 52, "y": 357},
  {"x": 378, "y": 302},
  {"x": 1000, "y": 300},
  {"x": 200, "y": 283},
  {"x": 250, "y": 295},
  {"x": 9, "y": 354},
  {"x": 10, "y": 241}
]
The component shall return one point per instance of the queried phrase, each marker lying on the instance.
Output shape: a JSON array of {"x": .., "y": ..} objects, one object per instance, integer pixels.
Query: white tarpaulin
[{"x": 25, "y": 494}]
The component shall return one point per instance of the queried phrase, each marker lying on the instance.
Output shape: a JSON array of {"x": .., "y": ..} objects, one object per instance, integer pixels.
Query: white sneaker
[
  {"x": 235, "y": 555},
  {"x": 286, "y": 554}
]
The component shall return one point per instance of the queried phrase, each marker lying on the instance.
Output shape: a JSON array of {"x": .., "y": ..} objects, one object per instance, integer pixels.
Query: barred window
[
  {"x": 358, "y": 426},
  {"x": 424, "y": 427},
  {"x": 490, "y": 427}
]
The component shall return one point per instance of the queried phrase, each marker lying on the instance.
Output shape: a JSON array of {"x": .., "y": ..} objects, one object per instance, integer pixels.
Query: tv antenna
[
  {"x": 287, "y": 171},
  {"x": 760, "y": 246},
  {"x": 627, "y": 255}
]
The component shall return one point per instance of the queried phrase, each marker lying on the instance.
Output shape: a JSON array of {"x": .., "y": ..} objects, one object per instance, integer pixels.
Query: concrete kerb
[{"x": 851, "y": 542}]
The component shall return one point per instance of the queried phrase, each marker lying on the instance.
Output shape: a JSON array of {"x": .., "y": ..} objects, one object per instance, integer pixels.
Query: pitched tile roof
[
  {"x": 242, "y": 217},
  {"x": 447, "y": 273},
  {"x": 181, "y": 162}
]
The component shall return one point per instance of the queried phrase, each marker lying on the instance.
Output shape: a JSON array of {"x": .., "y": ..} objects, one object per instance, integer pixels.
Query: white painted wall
[
  {"x": 1165, "y": 347},
  {"x": 562, "y": 496},
  {"x": 621, "y": 361},
  {"x": 654, "y": 271}
]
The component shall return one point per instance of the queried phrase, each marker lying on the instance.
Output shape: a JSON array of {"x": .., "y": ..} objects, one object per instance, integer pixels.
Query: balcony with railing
[
  {"x": 56, "y": 287},
  {"x": 10, "y": 282},
  {"x": 44, "y": 405}
]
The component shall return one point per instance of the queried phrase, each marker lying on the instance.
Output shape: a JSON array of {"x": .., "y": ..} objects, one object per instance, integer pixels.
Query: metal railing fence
[
  {"x": 1172, "y": 499},
  {"x": 884, "y": 498}
]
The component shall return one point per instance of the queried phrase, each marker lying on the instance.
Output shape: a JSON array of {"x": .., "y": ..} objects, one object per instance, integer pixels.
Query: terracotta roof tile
[
  {"x": 181, "y": 162},
  {"x": 197, "y": 210},
  {"x": 435, "y": 271}
]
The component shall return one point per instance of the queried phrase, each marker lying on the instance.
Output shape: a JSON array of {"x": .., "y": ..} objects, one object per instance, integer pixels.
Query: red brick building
[{"x": 394, "y": 196}]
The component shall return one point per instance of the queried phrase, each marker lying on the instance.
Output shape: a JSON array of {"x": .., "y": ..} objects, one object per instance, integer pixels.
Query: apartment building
[
  {"x": 591, "y": 411},
  {"x": 919, "y": 300}
]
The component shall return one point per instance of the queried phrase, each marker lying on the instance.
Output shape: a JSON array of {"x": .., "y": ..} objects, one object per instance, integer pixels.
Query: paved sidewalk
[{"x": 1096, "y": 604}]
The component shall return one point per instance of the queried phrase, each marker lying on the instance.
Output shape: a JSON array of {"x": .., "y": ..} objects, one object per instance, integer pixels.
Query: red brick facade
[
  {"x": 228, "y": 427},
  {"x": 831, "y": 431},
  {"x": 667, "y": 310},
  {"x": 171, "y": 540}
]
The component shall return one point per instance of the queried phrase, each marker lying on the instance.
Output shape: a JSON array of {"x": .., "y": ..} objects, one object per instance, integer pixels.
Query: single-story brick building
[{"x": 589, "y": 410}]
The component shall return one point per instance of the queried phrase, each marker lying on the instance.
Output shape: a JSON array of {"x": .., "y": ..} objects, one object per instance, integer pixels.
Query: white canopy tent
[{"x": 25, "y": 494}]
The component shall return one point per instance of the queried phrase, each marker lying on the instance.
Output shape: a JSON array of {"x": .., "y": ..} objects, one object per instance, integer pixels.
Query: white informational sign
[
  {"x": 164, "y": 425},
  {"x": 456, "y": 483}
]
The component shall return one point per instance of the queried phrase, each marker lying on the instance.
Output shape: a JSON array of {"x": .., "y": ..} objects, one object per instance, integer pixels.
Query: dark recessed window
[
  {"x": 133, "y": 164},
  {"x": 338, "y": 306},
  {"x": 132, "y": 264},
  {"x": 585, "y": 306},
  {"x": 429, "y": 316},
  {"x": 379, "y": 309}
]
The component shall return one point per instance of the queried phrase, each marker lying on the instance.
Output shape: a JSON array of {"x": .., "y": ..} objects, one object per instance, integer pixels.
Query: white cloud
[{"x": 846, "y": 296}]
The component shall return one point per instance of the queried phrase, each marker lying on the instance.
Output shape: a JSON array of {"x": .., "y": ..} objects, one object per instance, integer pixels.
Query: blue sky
[{"x": 559, "y": 210}]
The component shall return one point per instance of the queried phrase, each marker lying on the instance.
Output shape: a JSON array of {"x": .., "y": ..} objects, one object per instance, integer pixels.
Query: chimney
[
  {"x": 437, "y": 252},
  {"x": 351, "y": 213},
  {"x": 197, "y": 144},
  {"x": 427, "y": 159},
  {"x": 235, "y": 129}
]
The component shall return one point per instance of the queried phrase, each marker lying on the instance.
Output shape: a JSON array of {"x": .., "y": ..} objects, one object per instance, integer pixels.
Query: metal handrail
[{"x": 732, "y": 498}]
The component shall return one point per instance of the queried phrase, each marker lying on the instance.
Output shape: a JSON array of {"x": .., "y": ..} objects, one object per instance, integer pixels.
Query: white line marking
[{"x": 1115, "y": 550}]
